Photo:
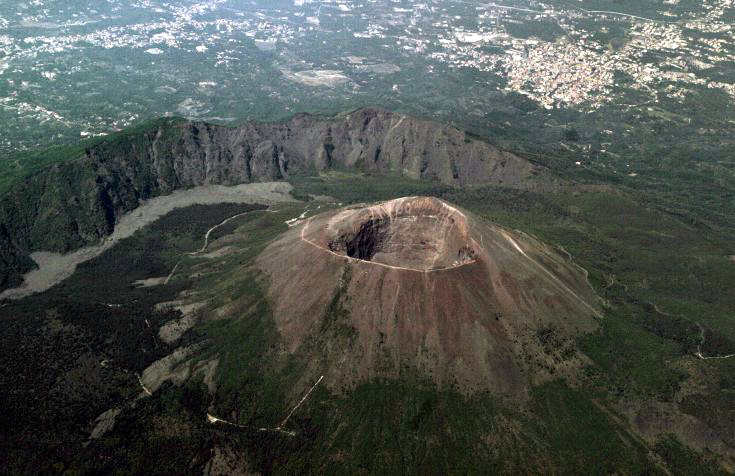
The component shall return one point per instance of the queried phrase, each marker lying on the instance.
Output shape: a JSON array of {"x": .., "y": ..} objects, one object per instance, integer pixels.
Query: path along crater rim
[{"x": 422, "y": 234}]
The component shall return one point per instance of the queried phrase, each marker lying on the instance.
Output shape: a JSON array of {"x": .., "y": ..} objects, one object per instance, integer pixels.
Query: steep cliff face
[
  {"x": 370, "y": 139},
  {"x": 78, "y": 202}
]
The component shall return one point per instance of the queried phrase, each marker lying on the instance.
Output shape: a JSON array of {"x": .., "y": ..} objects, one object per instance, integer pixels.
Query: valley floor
[{"x": 55, "y": 267}]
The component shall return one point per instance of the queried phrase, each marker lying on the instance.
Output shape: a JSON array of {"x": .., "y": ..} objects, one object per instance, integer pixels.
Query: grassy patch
[
  {"x": 680, "y": 460},
  {"x": 581, "y": 437}
]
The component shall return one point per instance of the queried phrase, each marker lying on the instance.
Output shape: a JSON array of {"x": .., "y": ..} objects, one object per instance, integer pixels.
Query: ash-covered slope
[
  {"x": 415, "y": 284},
  {"x": 77, "y": 202}
]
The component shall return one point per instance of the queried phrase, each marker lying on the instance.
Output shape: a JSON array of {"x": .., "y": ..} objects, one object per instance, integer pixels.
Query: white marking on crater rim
[{"x": 389, "y": 209}]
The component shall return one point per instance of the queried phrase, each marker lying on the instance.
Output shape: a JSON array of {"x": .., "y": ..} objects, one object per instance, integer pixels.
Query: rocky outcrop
[{"x": 77, "y": 202}]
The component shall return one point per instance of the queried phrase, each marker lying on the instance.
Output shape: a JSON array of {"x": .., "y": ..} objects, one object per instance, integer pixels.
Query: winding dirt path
[
  {"x": 701, "y": 343},
  {"x": 285, "y": 420},
  {"x": 223, "y": 222},
  {"x": 279, "y": 429},
  {"x": 698, "y": 353},
  {"x": 206, "y": 240},
  {"x": 54, "y": 268},
  {"x": 295, "y": 221}
]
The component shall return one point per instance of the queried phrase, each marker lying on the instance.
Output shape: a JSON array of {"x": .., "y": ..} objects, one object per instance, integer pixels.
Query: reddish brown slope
[{"x": 415, "y": 283}]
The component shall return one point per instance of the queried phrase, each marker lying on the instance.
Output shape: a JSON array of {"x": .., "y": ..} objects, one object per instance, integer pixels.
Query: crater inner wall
[{"x": 416, "y": 233}]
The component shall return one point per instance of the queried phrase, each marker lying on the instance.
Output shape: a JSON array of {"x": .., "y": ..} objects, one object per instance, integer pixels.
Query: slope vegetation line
[{"x": 556, "y": 280}]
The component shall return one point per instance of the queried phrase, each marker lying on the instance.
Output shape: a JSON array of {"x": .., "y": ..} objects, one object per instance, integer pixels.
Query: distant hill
[{"x": 76, "y": 202}]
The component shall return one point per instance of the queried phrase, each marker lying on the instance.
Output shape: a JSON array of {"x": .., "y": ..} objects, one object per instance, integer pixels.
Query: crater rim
[{"x": 422, "y": 234}]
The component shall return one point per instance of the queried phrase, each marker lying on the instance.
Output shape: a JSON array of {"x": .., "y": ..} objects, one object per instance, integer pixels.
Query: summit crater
[
  {"x": 417, "y": 284},
  {"x": 414, "y": 233}
]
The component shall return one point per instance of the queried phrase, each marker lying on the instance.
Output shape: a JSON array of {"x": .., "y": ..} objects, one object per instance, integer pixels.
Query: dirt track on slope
[{"x": 53, "y": 268}]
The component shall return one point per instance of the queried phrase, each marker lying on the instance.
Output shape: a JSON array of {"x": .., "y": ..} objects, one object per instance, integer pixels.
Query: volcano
[{"x": 416, "y": 285}]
